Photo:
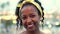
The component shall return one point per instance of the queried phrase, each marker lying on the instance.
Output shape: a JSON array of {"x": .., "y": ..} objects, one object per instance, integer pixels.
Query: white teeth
[{"x": 30, "y": 25}]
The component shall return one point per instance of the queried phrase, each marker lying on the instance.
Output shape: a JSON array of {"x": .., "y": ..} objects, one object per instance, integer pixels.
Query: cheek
[
  {"x": 37, "y": 19},
  {"x": 23, "y": 22}
]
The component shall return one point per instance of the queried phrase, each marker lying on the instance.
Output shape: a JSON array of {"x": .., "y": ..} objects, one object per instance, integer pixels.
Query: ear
[{"x": 41, "y": 18}]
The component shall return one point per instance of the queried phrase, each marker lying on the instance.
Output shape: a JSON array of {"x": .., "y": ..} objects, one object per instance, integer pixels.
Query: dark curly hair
[{"x": 27, "y": 3}]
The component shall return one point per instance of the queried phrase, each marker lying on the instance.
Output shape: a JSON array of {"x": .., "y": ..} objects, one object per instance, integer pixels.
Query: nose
[{"x": 29, "y": 20}]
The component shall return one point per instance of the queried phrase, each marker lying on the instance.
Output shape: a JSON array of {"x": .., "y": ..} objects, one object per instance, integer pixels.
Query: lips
[{"x": 30, "y": 26}]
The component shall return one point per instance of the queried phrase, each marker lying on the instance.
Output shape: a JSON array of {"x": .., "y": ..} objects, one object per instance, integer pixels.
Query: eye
[
  {"x": 24, "y": 17},
  {"x": 32, "y": 16}
]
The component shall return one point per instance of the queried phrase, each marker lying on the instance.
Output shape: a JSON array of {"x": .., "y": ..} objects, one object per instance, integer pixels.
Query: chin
[{"x": 31, "y": 29}]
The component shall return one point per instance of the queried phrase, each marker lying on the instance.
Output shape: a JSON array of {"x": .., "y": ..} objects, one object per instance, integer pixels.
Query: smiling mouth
[{"x": 30, "y": 26}]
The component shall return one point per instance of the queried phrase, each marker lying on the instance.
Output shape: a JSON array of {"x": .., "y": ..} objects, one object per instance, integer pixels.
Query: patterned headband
[{"x": 30, "y": 1}]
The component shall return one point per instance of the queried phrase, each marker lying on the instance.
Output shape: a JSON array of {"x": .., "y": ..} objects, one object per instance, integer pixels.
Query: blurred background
[{"x": 51, "y": 17}]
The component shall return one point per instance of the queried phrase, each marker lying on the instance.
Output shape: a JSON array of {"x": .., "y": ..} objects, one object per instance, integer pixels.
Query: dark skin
[{"x": 30, "y": 20}]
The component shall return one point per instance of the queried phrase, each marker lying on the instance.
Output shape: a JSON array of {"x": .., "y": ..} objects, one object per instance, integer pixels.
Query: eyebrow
[{"x": 29, "y": 14}]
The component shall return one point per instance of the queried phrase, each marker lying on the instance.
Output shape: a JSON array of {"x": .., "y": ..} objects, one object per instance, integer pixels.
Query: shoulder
[
  {"x": 23, "y": 32},
  {"x": 42, "y": 33}
]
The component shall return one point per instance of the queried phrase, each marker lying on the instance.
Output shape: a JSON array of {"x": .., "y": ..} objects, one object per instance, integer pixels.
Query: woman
[{"x": 30, "y": 13}]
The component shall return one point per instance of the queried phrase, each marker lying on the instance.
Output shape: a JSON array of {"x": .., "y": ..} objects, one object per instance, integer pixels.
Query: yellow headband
[{"x": 30, "y": 1}]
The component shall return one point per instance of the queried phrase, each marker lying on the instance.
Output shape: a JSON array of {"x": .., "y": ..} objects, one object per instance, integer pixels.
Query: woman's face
[{"x": 30, "y": 18}]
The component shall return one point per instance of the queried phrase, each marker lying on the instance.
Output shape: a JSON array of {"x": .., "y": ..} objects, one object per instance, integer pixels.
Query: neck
[{"x": 34, "y": 32}]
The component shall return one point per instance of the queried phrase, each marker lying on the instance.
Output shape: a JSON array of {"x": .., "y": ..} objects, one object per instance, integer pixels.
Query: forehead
[{"x": 28, "y": 8}]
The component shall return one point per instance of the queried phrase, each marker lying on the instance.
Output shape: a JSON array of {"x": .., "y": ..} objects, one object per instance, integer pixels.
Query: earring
[{"x": 41, "y": 19}]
